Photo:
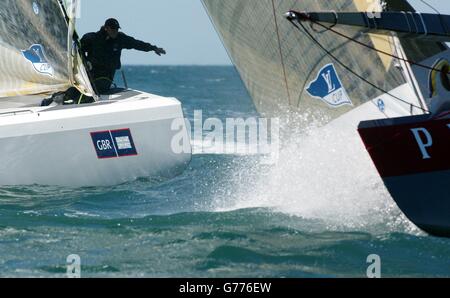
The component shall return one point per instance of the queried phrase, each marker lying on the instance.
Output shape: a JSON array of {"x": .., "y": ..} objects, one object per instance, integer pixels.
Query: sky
[{"x": 182, "y": 27}]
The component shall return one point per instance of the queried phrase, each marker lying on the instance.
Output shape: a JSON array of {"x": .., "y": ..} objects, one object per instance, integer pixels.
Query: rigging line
[
  {"x": 352, "y": 71},
  {"x": 430, "y": 6},
  {"x": 281, "y": 52},
  {"x": 377, "y": 50},
  {"x": 437, "y": 11}
]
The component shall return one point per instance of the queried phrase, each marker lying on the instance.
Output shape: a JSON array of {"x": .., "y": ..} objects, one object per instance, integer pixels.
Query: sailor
[{"x": 103, "y": 50}]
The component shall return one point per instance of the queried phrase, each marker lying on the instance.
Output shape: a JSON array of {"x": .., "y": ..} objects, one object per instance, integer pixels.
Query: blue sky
[{"x": 180, "y": 26}]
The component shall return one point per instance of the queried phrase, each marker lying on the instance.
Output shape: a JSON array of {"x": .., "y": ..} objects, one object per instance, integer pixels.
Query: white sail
[
  {"x": 282, "y": 66},
  {"x": 34, "y": 48}
]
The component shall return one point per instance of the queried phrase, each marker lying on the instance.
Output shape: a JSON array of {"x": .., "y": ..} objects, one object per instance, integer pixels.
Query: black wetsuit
[{"x": 104, "y": 54}]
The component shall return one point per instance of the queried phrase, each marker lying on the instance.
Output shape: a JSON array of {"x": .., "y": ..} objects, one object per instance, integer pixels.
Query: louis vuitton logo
[{"x": 327, "y": 77}]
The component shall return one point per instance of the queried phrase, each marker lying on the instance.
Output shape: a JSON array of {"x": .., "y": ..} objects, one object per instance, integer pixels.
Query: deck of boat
[{"x": 7, "y": 105}]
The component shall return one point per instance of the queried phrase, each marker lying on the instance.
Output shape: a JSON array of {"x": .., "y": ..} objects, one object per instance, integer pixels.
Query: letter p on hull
[{"x": 423, "y": 145}]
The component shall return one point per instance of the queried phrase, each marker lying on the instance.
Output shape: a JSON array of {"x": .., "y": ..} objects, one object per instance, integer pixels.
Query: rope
[
  {"x": 81, "y": 97},
  {"x": 443, "y": 24},
  {"x": 442, "y": 115},
  {"x": 281, "y": 52},
  {"x": 430, "y": 6}
]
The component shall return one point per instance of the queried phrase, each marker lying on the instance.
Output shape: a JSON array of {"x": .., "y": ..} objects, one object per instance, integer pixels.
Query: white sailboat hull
[{"x": 106, "y": 143}]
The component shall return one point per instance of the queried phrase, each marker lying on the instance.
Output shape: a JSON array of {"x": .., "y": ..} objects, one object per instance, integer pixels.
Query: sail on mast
[
  {"x": 33, "y": 48},
  {"x": 278, "y": 63}
]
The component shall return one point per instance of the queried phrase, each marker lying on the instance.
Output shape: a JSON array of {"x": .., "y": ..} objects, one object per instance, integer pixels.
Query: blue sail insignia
[
  {"x": 328, "y": 87},
  {"x": 36, "y": 55}
]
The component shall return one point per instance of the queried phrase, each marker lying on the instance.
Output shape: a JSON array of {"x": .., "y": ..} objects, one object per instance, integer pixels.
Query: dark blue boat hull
[{"x": 412, "y": 155}]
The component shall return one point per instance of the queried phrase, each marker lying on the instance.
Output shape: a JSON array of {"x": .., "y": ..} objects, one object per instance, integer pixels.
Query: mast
[{"x": 73, "y": 54}]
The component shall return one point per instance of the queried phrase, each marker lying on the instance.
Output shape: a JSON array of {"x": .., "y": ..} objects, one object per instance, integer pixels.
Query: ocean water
[{"x": 320, "y": 211}]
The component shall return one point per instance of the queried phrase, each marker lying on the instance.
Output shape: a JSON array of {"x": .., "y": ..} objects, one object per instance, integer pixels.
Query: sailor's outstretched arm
[{"x": 132, "y": 43}]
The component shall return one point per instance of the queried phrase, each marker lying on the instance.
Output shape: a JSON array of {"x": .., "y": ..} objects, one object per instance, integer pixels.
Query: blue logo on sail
[
  {"x": 36, "y": 55},
  {"x": 381, "y": 105},
  {"x": 328, "y": 87}
]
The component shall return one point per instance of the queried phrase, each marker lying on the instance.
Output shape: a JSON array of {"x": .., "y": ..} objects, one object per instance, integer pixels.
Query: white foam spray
[{"x": 325, "y": 174}]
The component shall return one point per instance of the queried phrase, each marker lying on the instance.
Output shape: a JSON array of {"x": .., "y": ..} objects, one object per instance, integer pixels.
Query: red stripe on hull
[{"x": 408, "y": 148}]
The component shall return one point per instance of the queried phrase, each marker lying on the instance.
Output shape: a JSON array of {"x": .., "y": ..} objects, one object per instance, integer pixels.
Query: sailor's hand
[{"x": 159, "y": 51}]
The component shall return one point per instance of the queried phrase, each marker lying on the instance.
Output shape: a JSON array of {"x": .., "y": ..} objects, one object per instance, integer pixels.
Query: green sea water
[{"x": 319, "y": 212}]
